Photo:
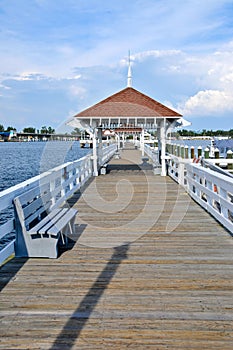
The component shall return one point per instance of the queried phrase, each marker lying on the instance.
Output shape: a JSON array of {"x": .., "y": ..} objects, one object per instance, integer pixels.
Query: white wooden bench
[{"x": 40, "y": 229}]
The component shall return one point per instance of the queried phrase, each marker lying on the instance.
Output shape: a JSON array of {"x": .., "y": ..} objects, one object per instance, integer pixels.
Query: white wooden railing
[
  {"x": 64, "y": 180},
  {"x": 213, "y": 191},
  {"x": 105, "y": 153},
  {"x": 211, "y": 187},
  {"x": 177, "y": 169},
  {"x": 152, "y": 154}
]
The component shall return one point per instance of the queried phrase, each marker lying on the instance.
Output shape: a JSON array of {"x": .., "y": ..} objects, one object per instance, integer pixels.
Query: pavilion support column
[
  {"x": 100, "y": 146},
  {"x": 142, "y": 143},
  {"x": 94, "y": 154},
  {"x": 118, "y": 141},
  {"x": 123, "y": 140},
  {"x": 161, "y": 133},
  {"x": 100, "y": 140},
  {"x": 163, "y": 147}
]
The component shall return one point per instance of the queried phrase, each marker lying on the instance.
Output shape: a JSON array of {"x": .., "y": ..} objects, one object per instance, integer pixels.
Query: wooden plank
[{"x": 161, "y": 289}]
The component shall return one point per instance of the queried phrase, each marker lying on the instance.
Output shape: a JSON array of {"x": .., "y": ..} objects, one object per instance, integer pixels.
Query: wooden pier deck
[{"x": 149, "y": 269}]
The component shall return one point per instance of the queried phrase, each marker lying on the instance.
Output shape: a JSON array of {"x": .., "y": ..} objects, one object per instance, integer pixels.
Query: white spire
[{"x": 129, "y": 79}]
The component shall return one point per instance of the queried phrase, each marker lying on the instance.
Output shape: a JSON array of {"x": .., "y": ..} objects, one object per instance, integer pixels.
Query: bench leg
[
  {"x": 71, "y": 226},
  {"x": 68, "y": 229},
  {"x": 62, "y": 237}
]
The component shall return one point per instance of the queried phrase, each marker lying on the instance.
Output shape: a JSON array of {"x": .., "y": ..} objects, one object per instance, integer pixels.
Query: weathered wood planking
[{"x": 167, "y": 287}]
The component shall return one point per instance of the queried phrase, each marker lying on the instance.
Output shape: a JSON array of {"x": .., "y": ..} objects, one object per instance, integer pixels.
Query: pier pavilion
[{"x": 129, "y": 110}]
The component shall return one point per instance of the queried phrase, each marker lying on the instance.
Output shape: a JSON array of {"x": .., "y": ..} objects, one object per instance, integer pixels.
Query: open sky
[{"x": 60, "y": 57}]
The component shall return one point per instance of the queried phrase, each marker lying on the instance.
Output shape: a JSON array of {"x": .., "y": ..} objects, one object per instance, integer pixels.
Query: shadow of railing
[
  {"x": 10, "y": 270},
  {"x": 74, "y": 325},
  {"x": 129, "y": 167}
]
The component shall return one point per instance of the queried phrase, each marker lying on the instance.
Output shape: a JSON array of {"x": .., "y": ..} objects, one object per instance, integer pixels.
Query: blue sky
[{"x": 60, "y": 57}]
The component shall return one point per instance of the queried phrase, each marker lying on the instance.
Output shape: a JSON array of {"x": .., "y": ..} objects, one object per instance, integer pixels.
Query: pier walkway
[{"x": 147, "y": 269}]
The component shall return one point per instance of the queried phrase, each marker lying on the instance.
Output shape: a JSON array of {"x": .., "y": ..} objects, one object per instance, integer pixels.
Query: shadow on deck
[{"x": 72, "y": 329}]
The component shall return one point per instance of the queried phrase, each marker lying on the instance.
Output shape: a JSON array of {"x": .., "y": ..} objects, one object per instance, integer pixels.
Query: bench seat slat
[
  {"x": 45, "y": 228},
  {"x": 64, "y": 220},
  {"x": 44, "y": 221}
]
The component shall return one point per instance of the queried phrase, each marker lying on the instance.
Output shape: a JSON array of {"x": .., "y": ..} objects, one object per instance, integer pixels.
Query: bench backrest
[{"x": 32, "y": 206}]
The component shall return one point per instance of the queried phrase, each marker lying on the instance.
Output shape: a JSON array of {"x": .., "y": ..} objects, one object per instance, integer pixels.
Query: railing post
[
  {"x": 178, "y": 150},
  {"x": 186, "y": 152},
  {"x": 216, "y": 155},
  {"x": 224, "y": 210},
  {"x": 172, "y": 148},
  {"x": 77, "y": 179},
  {"x": 229, "y": 156},
  {"x": 192, "y": 152},
  {"x": 175, "y": 150},
  {"x": 52, "y": 187},
  {"x": 199, "y": 152},
  {"x": 182, "y": 151},
  {"x": 206, "y": 153},
  {"x": 181, "y": 168}
]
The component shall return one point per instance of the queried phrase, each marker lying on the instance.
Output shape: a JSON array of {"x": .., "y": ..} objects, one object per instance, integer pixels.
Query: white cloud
[
  {"x": 29, "y": 76},
  {"x": 143, "y": 55},
  {"x": 77, "y": 91},
  {"x": 4, "y": 87},
  {"x": 155, "y": 53},
  {"x": 209, "y": 102},
  {"x": 75, "y": 77}
]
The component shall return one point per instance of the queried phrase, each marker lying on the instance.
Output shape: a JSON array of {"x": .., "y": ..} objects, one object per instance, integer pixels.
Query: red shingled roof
[{"x": 128, "y": 102}]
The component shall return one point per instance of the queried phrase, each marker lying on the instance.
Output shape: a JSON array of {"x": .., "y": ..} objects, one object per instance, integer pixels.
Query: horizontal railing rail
[
  {"x": 63, "y": 181},
  {"x": 222, "y": 166}
]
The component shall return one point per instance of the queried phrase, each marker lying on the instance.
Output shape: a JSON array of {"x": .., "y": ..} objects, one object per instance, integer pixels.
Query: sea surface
[{"x": 20, "y": 161}]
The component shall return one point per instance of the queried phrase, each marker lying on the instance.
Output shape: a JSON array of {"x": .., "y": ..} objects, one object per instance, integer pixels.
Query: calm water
[{"x": 20, "y": 161}]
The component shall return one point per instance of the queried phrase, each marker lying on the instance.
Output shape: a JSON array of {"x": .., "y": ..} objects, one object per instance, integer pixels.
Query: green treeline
[
  {"x": 31, "y": 130},
  {"x": 205, "y": 132}
]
